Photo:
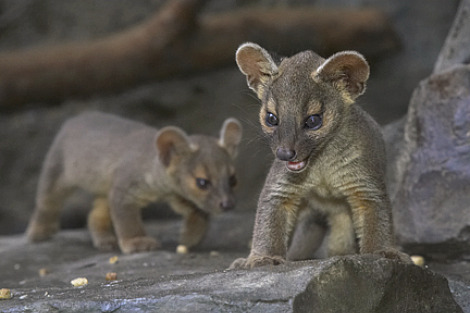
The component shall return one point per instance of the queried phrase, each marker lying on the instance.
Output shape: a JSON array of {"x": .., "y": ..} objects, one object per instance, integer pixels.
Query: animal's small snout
[
  {"x": 285, "y": 154},
  {"x": 227, "y": 204}
]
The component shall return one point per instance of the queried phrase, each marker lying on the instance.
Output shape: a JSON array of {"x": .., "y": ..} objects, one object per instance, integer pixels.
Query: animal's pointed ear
[
  {"x": 230, "y": 136},
  {"x": 257, "y": 65},
  {"x": 172, "y": 144},
  {"x": 347, "y": 71}
]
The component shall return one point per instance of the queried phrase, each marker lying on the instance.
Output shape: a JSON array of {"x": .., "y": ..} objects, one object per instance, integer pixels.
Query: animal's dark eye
[
  {"x": 314, "y": 122},
  {"x": 232, "y": 181},
  {"x": 271, "y": 119},
  {"x": 202, "y": 183}
]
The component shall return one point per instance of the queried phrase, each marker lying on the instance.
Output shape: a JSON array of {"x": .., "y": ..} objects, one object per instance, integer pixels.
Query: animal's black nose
[
  {"x": 227, "y": 204},
  {"x": 284, "y": 154}
]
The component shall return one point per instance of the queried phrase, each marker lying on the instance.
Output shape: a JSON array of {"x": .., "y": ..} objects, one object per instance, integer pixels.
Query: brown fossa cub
[
  {"x": 127, "y": 165},
  {"x": 330, "y": 156}
]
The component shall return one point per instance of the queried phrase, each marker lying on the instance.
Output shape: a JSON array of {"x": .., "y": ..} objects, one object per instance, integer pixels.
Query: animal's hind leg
[
  {"x": 308, "y": 236},
  {"x": 342, "y": 239},
  {"x": 51, "y": 194},
  {"x": 100, "y": 226}
]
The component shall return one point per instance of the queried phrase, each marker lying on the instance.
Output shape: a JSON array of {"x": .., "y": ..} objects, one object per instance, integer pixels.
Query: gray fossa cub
[
  {"x": 127, "y": 165},
  {"x": 330, "y": 156}
]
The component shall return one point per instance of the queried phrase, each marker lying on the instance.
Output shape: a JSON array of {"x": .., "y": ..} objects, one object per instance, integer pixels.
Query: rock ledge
[{"x": 164, "y": 281}]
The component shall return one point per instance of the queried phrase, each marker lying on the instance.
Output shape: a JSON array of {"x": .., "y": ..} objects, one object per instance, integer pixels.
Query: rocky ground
[{"x": 39, "y": 277}]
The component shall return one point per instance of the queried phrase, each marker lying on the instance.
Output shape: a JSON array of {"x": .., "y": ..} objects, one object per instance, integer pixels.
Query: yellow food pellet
[
  {"x": 114, "y": 259},
  {"x": 5, "y": 293},
  {"x": 81, "y": 281},
  {"x": 43, "y": 272},
  {"x": 181, "y": 249},
  {"x": 417, "y": 260},
  {"x": 214, "y": 254},
  {"x": 111, "y": 276}
]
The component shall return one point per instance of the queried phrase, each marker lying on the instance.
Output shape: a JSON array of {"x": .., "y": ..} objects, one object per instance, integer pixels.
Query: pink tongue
[{"x": 296, "y": 166}]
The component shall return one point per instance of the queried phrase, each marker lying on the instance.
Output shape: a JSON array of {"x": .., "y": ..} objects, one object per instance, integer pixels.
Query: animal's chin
[
  {"x": 296, "y": 166},
  {"x": 210, "y": 212}
]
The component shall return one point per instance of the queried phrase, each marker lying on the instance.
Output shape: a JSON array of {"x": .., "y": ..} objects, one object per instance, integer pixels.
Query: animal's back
[
  {"x": 372, "y": 142},
  {"x": 92, "y": 145}
]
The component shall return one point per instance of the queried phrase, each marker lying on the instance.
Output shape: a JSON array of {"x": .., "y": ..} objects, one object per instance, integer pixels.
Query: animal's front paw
[
  {"x": 37, "y": 232},
  {"x": 239, "y": 263},
  {"x": 394, "y": 254},
  {"x": 255, "y": 261},
  {"x": 105, "y": 243},
  {"x": 138, "y": 244}
]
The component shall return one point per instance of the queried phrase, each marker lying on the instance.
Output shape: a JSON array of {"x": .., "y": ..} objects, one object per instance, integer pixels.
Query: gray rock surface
[
  {"x": 430, "y": 173},
  {"x": 164, "y": 281},
  {"x": 456, "y": 48},
  {"x": 433, "y": 173}
]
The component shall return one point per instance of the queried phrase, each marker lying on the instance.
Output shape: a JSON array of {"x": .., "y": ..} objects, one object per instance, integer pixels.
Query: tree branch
[{"x": 174, "y": 42}]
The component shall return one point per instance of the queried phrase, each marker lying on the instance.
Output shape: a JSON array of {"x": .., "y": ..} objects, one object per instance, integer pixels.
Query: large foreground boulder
[
  {"x": 430, "y": 173},
  {"x": 164, "y": 281}
]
